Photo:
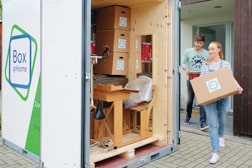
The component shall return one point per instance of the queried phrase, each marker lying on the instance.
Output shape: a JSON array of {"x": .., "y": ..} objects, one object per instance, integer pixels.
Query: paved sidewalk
[
  {"x": 9, "y": 158},
  {"x": 194, "y": 151}
]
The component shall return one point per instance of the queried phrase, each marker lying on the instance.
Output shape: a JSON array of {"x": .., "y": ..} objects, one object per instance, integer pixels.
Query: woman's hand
[{"x": 240, "y": 89}]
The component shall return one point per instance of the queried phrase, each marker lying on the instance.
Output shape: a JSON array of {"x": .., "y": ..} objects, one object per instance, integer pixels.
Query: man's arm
[{"x": 187, "y": 71}]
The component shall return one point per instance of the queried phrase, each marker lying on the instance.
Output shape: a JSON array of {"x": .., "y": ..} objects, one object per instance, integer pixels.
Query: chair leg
[{"x": 143, "y": 123}]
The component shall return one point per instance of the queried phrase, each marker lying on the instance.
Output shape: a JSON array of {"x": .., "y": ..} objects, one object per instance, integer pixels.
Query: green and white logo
[
  {"x": 22, "y": 75},
  {"x": 21, "y": 58},
  {"x": 213, "y": 85}
]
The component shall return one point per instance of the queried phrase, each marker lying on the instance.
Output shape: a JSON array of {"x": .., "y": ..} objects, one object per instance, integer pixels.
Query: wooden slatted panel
[
  {"x": 186, "y": 2},
  {"x": 130, "y": 3},
  {"x": 243, "y": 67},
  {"x": 248, "y": 89}
]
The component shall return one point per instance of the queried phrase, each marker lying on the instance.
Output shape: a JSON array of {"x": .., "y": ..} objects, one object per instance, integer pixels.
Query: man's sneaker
[
  {"x": 187, "y": 121},
  {"x": 203, "y": 126},
  {"x": 221, "y": 142},
  {"x": 214, "y": 159}
]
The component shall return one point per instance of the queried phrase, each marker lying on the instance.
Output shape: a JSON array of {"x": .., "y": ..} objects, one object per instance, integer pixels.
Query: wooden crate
[{"x": 119, "y": 18}]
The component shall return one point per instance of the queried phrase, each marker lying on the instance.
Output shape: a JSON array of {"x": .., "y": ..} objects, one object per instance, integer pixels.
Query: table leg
[{"x": 118, "y": 112}]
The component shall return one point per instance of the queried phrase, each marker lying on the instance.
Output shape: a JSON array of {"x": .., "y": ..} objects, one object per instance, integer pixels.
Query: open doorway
[
  {"x": 215, "y": 32},
  {"x": 223, "y": 34},
  {"x": 212, "y": 33}
]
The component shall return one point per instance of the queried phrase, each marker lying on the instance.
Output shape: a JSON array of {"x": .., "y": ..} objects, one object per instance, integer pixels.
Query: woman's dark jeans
[{"x": 189, "y": 105}]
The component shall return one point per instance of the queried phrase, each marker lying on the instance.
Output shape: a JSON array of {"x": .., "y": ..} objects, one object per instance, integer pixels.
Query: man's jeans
[
  {"x": 189, "y": 105},
  {"x": 216, "y": 116}
]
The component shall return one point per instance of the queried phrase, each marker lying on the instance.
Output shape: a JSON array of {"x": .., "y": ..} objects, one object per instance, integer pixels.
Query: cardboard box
[
  {"x": 115, "y": 64},
  {"x": 214, "y": 86},
  {"x": 113, "y": 17},
  {"x": 117, "y": 40}
]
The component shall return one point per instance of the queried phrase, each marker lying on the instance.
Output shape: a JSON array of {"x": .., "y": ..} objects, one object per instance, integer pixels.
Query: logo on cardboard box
[
  {"x": 122, "y": 43},
  {"x": 120, "y": 65},
  {"x": 213, "y": 85},
  {"x": 123, "y": 22}
]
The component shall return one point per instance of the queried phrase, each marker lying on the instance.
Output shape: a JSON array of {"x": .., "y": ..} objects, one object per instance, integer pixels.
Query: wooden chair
[{"x": 138, "y": 117}]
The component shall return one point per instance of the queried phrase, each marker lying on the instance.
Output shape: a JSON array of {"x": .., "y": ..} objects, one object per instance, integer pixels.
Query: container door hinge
[
  {"x": 179, "y": 5},
  {"x": 88, "y": 76}
]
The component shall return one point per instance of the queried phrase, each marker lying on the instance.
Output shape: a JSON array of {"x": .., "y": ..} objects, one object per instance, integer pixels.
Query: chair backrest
[
  {"x": 152, "y": 102},
  {"x": 154, "y": 97}
]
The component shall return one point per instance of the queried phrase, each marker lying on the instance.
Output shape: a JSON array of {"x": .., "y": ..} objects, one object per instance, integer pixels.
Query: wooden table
[{"x": 116, "y": 95}]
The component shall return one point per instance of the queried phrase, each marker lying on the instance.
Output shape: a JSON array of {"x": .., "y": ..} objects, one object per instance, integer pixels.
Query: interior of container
[{"x": 147, "y": 56}]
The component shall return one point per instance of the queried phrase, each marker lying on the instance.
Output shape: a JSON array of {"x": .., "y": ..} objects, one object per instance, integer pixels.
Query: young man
[{"x": 191, "y": 63}]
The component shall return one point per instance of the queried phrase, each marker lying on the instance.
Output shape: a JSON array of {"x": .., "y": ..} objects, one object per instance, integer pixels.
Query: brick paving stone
[
  {"x": 196, "y": 155},
  {"x": 194, "y": 152},
  {"x": 12, "y": 159}
]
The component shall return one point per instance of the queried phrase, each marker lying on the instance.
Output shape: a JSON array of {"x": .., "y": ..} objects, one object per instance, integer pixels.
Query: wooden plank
[
  {"x": 242, "y": 67},
  {"x": 102, "y": 3},
  {"x": 242, "y": 34},
  {"x": 130, "y": 154},
  {"x": 98, "y": 154},
  {"x": 107, "y": 88},
  {"x": 187, "y": 2},
  {"x": 111, "y": 96},
  {"x": 244, "y": 61},
  {"x": 249, "y": 76},
  {"x": 118, "y": 121},
  {"x": 237, "y": 39},
  {"x": 108, "y": 79},
  {"x": 153, "y": 20},
  {"x": 112, "y": 88}
]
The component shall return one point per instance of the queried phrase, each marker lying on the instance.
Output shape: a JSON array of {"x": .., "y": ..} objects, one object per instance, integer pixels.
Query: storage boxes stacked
[{"x": 113, "y": 30}]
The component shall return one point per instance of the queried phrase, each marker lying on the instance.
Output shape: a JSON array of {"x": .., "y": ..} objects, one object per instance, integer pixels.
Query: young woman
[{"x": 216, "y": 111}]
